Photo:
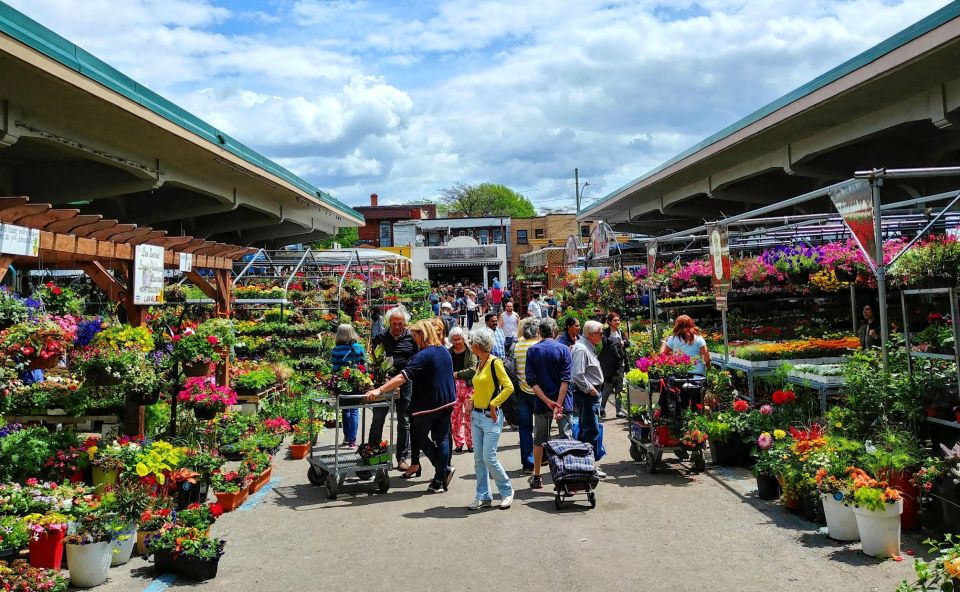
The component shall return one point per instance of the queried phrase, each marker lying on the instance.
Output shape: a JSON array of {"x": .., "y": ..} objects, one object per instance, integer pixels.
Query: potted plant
[
  {"x": 109, "y": 460},
  {"x": 14, "y": 536},
  {"x": 257, "y": 465},
  {"x": 186, "y": 552},
  {"x": 198, "y": 348},
  {"x": 768, "y": 465},
  {"x": 796, "y": 261},
  {"x": 877, "y": 508},
  {"x": 659, "y": 366},
  {"x": 230, "y": 487},
  {"x": 205, "y": 463},
  {"x": 199, "y": 516},
  {"x": 150, "y": 522},
  {"x": 350, "y": 380},
  {"x": 13, "y": 310},
  {"x": 254, "y": 381},
  {"x": 933, "y": 262},
  {"x": 59, "y": 301},
  {"x": 47, "y": 532},
  {"x": 302, "y": 440},
  {"x": 37, "y": 343},
  {"x": 205, "y": 397},
  {"x": 69, "y": 464},
  {"x": 89, "y": 550},
  {"x": 836, "y": 493}
]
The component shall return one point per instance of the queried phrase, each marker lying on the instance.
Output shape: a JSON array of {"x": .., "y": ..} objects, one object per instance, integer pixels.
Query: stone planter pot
[
  {"x": 880, "y": 531},
  {"x": 89, "y": 564},
  {"x": 121, "y": 550},
  {"x": 841, "y": 521}
]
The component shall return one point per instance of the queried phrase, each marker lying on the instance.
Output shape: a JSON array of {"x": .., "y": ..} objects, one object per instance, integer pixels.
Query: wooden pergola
[{"x": 104, "y": 250}]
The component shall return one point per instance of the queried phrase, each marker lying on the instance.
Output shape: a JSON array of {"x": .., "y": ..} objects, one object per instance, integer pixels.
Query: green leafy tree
[
  {"x": 347, "y": 236},
  {"x": 485, "y": 199}
]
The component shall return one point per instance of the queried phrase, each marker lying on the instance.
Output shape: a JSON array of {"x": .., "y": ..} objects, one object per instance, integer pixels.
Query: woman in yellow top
[{"x": 487, "y": 421}]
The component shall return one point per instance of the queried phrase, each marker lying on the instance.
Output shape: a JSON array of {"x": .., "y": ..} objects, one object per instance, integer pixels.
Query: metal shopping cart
[
  {"x": 650, "y": 437},
  {"x": 331, "y": 469}
]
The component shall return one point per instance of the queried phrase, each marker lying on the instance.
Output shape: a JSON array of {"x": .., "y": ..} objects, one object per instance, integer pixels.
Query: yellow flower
[
  {"x": 91, "y": 452},
  {"x": 838, "y": 425},
  {"x": 779, "y": 434}
]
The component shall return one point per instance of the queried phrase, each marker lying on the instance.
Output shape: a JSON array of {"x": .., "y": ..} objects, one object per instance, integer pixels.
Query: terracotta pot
[
  {"x": 47, "y": 550},
  {"x": 196, "y": 370},
  {"x": 43, "y": 364},
  {"x": 299, "y": 451},
  {"x": 261, "y": 480},
  {"x": 231, "y": 501}
]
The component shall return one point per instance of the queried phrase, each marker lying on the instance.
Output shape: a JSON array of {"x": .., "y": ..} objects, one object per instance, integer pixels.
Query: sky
[{"x": 404, "y": 98}]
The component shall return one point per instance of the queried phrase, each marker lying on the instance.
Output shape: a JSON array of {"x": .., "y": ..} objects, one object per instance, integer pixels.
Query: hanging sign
[
  {"x": 719, "y": 259},
  {"x": 722, "y": 303},
  {"x": 599, "y": 242},
  {"x": 572, "y": 251},
  {"x": 651, "y": 257},
  {"x": 854, "y": 201},
  {"x": 186, "y": 262},
  {"x": 147, "y": 274},
  {"x": 17, "y": 240}
]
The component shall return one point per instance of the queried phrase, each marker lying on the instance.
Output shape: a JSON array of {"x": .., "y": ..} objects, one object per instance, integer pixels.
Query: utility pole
[{"x": 576, "y": 187}]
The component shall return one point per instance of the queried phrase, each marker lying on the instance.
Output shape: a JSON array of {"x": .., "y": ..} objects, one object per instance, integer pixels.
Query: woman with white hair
[
  {"x": 491, "y": 388},
  {"x": 348, "y": 352},
  {"x": 464, "y": 367}
]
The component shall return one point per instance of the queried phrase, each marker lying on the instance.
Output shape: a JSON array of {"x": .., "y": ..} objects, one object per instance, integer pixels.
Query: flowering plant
[
  {"x": 157, "y": 460},
  {"x": 869, "y": 493},
  {"x": 666, "y": 365},
  {"x": 59, "y": 301},
  {"x": 87, "y": 330},
  {"x": 115, "y": 456},
  {"x": 937, "y": 256},
  {"x": 205, "y": 343},
  {"x": 781, "y": 397},
  {"x": 68, "y": 461},
  {"x": 698, "y": 268},
  {"x": 35, "y": 339},
  {"x": 12, "y": 309},
  {"x": 256, "y": 463},
  {"x": 350, "y": 380},
  {"x": 13, "y": 533},
  {"x": 125, "y": 337},
  {"x": 198, "y": 516},
  {"x": 229, "y": 481},
  {"x": 741, "y": 406},
  {"x": 752, "y": 270},
  {"x": 20, "y": 576},
  {"x": 38, "y": 524},
  {"x": 185, "y": 542},
  {"x": 203, "y": 392},
  {"x": 693, "y": 439},
  {"x": 277, "y": 425},
  {"x": 301, "y": 431},
  {"x": 154, "y": 518},
  {"x": 794, "y": 258}
]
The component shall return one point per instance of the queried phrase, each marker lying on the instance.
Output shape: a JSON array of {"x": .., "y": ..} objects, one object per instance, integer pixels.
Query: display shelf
[
  {"x": 917, "y": 354},
  {"x": 944, "y": 422},
  {"x": 65, "y": 419}
]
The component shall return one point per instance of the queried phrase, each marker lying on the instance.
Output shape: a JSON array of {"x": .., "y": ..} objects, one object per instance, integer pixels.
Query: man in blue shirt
[
  {"x": 499, "y": 339},
  {"x": 548, "y": 372}
]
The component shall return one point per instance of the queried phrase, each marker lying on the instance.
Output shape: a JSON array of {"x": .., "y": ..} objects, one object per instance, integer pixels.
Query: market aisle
[{"x": 648, "y": 532}]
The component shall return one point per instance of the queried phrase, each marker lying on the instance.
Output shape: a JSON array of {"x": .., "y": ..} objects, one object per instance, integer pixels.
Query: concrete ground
[{"x": 670, "y": 531}]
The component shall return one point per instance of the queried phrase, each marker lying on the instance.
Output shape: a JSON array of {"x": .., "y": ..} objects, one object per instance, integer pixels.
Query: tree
[
  {"x": 347, "y": 236},
  {"x": 485, "y": 199}
]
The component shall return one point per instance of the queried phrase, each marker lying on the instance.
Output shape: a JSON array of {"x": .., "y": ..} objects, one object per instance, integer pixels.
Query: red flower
[
  {"x": 362, "y": 368},
  {"x": 175, "y": 338},
  {"x": 783, "y": 397},
  {"x": 740, "y": 406},
  {"x": 56, "y": 290},
  {"x": 216, "y": 510},
  {"x": 346, "y": 373},
  {"x": 934, "y": 317},
  {"x": 212, "y": 340},
  {"x": 27, "y": 350}
]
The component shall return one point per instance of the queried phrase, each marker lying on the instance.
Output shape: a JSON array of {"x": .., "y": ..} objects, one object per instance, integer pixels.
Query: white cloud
[{"x": 407, "y": 97}]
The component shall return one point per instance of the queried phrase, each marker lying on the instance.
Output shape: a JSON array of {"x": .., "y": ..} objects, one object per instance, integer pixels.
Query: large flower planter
[
  {"x": 188, "y": 567},
  {"x": 89, "y": 564},
  {"x": 841, "y": 521},
  {"x": 196, "y": 370},
  {"x": 103, "y": 478},
  {"x": 768, "y": 488},
  {"x": 799, "y": 278},
  {"x": 144, "y": 399},
  {"x": 298, "y": 451},
  {"x": 9, "y": 555},
  {"x": 261, "y": 480},
  {"x": 141, "y": 544},
  {"x": 910, "y": 519},
  {"x": 123, "y": 549},
  {"x": 187, "y": 493},
  {"x": 946, "y": 505},
  {"x": 231, "y": 501},
  {"x": 47, "y": 550},
  {"x": 205, "y": 413},
  {"x": 880, "y": 531},
  {"x": 43, "y": 363}
]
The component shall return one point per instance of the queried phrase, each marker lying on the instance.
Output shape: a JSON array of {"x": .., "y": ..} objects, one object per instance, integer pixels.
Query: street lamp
[{"x": 580, "y": 189}]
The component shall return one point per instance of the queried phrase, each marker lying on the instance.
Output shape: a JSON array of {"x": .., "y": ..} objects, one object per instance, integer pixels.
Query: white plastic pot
[
  {"x": 123, "y": 549},
  {"x": 880, "y": 531},
  {"x": 841, "y": 521},
  {"x": 89, "y": 564}
]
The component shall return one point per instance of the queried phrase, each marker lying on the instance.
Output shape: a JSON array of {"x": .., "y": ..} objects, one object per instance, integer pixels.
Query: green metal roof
[
  {"x": 33, "y": 34},
  {"x": 921, "y": 27}
]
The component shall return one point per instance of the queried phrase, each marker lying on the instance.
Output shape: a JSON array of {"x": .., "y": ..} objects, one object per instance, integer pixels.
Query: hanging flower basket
[
  {"x": 99, "y": 378},
  {"x": 206, "y": 413},
  {"x": 196, "y": 370},
  {"x": 144, "y": 398},
  {"x": 844, "y": 276},
  {"x": 798, "y": 279}
]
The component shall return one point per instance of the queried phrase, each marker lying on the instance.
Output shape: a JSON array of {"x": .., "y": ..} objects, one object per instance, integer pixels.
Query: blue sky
[{"x": 404, "y": 98}]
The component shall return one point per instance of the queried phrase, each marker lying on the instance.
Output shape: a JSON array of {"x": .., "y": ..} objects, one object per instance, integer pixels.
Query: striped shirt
[{"x": 520, "y": 355}]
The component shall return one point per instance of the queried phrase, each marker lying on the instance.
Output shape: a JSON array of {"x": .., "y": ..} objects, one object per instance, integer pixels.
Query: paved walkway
[{"x": 667, "y": 532}]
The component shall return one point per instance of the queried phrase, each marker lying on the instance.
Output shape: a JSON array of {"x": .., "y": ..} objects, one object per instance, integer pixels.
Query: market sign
[
  {"x": 186, "y": 262},
  {"x": 17, "y": 240},
  {"x": 854, "y": 201},
  {"x": 572, "y": 251},
  {"x": 600, "y": 242},
  {"x": 719, "y": 259},
  {"x": 449, "y": 253},
  {"x": 651, "y": 257},
  {"x": 722, "y": 303},
  {"x": 148, "y": 274}
]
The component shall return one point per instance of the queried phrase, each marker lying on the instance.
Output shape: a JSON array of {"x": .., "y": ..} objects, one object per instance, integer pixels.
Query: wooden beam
[
  {"x": 40, "y": 220},
  {"x": 125, "y": 237},
  {"x": 171, "y": 242},
  {"x": 107, "y": 233},
  {"x": 5, "y": 261},
  {"x": 105, "y": 281},
  {"x": 153, "y": 235},
  {"x": 193, "y": 248},
  {"x": 12, "y": 202},
  {"x": 11, "y": 215},
  {"x": 70, "y": 224},
  {"x": 202, "y": 283},
  {"x": 87, "y": 229}
]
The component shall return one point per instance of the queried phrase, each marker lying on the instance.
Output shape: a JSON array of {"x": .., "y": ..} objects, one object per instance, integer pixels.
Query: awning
[{"x": 477, "y": 263}]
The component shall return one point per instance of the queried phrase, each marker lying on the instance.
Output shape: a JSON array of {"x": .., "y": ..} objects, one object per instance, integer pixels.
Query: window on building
[
  {"x": 585, "y": 231},
  {"x": 484, "y": 237},
  {"x": 386, "y": 235},
  {"x": 433, "y": 239},
  {"x": 538, "y": 233},
  {"x": 462, "y": 233},
  {"x": 521, "y": 237},
  {"x": 498, "y": 236}
]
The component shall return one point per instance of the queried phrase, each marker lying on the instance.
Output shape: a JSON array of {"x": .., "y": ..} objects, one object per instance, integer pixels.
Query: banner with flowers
[{"x": 854, "y": 201}]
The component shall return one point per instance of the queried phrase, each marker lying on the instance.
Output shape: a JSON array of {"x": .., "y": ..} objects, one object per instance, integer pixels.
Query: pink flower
[
  {"x": 32, "y": 481},
  {"x": 175, "y": 338},
  {"x": 212, "y": 339},
  {"x": 765, "y": 441},
  {"x": 766, "y": 410}
]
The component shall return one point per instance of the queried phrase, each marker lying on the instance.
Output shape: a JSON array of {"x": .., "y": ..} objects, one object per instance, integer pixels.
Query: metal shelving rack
[{"x": 954, "y": 310}]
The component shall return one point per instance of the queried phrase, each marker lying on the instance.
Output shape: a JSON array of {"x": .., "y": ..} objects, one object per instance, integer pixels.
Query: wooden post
[
  {"x": 5, "y": 261},
  {"x": 223, "y": 298}
]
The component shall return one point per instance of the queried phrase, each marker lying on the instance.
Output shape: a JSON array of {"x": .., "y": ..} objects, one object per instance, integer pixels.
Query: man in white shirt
[
  {"x": 587, "y": 381},
  {"x": 509, "y": 322},
  {"x": 533, "y": 308}
]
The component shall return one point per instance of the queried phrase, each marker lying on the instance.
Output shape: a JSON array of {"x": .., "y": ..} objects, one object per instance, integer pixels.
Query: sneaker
[
  {"x": 601, "y": 474},
  {"x": 435, "y": 487},
  {"x": 536, "y": 482},
  {"x": 622, "y": 414},
  {"x": 505, "y": 502},
  {"x": 477, "y": 504}
]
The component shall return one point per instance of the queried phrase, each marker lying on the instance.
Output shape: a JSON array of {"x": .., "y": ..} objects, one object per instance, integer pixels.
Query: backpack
[{"x": 509, "y": 407}]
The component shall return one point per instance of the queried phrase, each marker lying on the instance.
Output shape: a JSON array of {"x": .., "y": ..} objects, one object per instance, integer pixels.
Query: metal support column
[{"x": 875, "y": 184}]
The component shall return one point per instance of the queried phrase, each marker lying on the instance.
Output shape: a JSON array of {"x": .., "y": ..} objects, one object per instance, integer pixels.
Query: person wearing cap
[{"x": 448, "y": 316}]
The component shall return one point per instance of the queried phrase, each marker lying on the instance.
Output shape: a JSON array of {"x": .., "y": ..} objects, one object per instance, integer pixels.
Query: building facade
[
  {"x": 530, "y": 234},
  {"x": 461, "y": 260},
  {"x": 379, "y": 231}
]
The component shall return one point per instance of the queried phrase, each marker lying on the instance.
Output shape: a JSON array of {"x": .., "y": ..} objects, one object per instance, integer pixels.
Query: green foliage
[
  {"x": 347, "y": 236},
  {"x": 877, "y": 396},
  {"x": 23, "y": 454},
  {"x": 13, "y": 533},
  {"x": 186, "y": 542},
  {"x": 485, "y": 199},
  {"x": 255, "y": 380},
  {"x": 934, "y": 574},
  {"x": 869, "y": 498}
]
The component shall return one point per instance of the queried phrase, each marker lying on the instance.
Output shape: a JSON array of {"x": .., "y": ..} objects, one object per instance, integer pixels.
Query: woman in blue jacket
[{"x": 347, "y": 352}]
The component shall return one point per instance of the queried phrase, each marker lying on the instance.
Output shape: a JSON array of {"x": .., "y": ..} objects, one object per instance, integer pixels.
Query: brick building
[
  {"x": 380, "y": 220},
  {"x": 530, "y": 234}
]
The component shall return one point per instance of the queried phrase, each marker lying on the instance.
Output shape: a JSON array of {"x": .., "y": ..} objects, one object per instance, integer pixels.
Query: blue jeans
[
  {"x": 403, "y": 442},
  {"x": 524, "y": 403},
  {"x": 588, "y": 416},
  {"x": 486, "y": 436},
  {"x": 432, "y": 432},
  {"x": 351, "y": 422}
]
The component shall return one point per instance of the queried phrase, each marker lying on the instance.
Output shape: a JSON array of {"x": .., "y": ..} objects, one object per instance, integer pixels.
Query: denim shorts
[{"x": 542, "y": 423}]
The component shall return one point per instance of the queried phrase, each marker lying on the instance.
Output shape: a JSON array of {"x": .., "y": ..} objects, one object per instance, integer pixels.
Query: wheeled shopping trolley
[
  {"x": 659, "y": 431},
  {"x": 572, "y": 469},
  {"x": 331, "y": 469}
]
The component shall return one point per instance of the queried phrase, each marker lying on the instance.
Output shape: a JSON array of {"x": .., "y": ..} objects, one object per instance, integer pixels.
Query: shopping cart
[{"x": 659, "y": 431}]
